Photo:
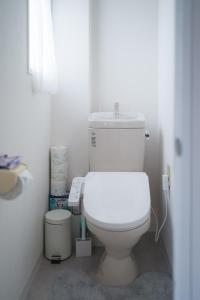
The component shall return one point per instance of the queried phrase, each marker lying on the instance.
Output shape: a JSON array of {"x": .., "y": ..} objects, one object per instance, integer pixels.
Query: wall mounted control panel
[{"x": 76, "y": 191}]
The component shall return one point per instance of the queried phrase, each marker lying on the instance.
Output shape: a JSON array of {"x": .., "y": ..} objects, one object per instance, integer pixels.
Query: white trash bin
[{"x": 58, "y": 234}]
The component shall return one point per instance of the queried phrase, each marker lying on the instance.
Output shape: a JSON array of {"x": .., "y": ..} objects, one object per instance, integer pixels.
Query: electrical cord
[{"x": 166, "y": 198}]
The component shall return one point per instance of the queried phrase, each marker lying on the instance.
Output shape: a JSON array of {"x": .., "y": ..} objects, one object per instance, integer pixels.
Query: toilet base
[
  {"x": 117, "y": 271},
  {"x": 118, "y": 265}
]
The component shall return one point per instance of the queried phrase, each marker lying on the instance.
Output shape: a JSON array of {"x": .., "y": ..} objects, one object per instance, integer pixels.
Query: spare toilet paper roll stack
[{"x": 59, "y": 166}]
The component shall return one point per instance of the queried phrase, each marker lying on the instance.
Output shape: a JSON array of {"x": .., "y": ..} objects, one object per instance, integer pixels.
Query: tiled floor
[{"x": 151, "y": 257}]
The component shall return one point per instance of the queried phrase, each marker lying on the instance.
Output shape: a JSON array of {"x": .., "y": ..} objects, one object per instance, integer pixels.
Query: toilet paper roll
[
  {"x": 22, "y": 180},
  {"x": 8, "y": 178},
  {"x": 59, "y": 168},
  {"x": 58, "y": 188}
]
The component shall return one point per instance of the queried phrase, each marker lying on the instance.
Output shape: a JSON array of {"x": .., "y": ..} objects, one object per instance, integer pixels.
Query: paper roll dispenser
[{"x": 9, "y": 178}]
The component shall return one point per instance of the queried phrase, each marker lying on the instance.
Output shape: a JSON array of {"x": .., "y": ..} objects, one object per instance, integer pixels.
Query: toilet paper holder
[{"x": 13, "y": 181}]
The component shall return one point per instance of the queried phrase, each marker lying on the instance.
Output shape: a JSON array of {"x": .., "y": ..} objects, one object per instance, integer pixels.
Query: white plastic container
[{"x": 58, "y": 234}]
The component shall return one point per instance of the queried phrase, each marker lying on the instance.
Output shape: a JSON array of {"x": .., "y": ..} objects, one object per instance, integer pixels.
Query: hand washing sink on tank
[{"x": 123, "y": 120}]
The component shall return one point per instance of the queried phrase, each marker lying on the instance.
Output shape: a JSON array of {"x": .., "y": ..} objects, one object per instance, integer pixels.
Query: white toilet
[{"x": 116, "y": 200}]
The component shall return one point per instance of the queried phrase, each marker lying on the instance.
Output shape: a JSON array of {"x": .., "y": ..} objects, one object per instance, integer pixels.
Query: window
[{"x": 42, "y": 62}]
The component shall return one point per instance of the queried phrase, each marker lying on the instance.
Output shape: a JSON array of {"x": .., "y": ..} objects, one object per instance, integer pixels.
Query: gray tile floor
[{"x": 151, "y": 257}]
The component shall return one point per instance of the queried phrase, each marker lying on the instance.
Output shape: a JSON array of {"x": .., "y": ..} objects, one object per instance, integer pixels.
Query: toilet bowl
[{"x": 117, "y": 210}]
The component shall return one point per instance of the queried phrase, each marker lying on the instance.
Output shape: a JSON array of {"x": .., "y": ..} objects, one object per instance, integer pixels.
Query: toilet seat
[{"x": 117, "y": 201}]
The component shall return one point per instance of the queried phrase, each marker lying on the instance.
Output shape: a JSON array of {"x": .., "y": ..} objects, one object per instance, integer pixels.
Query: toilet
[{"x": 116, "y": 198}]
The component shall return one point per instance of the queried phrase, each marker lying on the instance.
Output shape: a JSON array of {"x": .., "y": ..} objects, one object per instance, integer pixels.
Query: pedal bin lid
[{"x": 57, "y": 216}]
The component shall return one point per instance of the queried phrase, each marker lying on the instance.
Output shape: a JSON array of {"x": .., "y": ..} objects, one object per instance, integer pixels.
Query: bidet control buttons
[
  {"x": 76, "y": 191},
  {"x": 93, "y": 139}
]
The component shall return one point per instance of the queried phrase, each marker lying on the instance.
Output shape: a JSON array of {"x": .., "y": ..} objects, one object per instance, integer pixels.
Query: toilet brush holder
[
  {"x": 83, "y": 244},
  {"x": 83, "y": 247}
]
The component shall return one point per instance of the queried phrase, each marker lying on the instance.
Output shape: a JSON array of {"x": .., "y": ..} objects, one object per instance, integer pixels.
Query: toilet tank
[{"x": 116, "y": 144}]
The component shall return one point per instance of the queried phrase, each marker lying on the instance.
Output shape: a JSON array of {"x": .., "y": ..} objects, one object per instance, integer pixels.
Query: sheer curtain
[{"x": 42, "y": 62}]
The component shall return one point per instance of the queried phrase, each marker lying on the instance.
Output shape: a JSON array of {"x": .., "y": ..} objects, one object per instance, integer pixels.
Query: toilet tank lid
[
  {"x": 117, "y": 200},
  {"x": 106, "y": 120}
]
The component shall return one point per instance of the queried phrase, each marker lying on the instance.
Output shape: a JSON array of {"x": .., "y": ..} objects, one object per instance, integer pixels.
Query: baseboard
[
  {"x": 168, "y": 252},
  {"x": 27, "y": 286}
]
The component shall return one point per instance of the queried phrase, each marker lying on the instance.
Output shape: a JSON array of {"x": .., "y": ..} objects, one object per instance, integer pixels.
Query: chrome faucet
[{"x": 116, "y": 110}]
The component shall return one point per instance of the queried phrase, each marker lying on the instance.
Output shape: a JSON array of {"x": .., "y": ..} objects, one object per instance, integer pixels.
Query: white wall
[
  {"x": 166, "y": 103},
  {"x": 70, "y": 108},
  {"x": 124, "y": 66},
  {"x": 24, "y": 129},
  {"x": 122, "y": 36}
]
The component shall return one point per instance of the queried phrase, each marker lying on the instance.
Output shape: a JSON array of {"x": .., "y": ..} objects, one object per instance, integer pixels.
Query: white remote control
[{"x": 75, "y": 192}]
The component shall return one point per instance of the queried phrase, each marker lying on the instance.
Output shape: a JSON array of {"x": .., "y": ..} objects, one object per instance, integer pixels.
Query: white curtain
[{"x": 42, "y": 62}]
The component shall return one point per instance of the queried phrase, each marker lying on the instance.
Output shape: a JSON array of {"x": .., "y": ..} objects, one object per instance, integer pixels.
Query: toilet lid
[{"x": 117, "y": 201}]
